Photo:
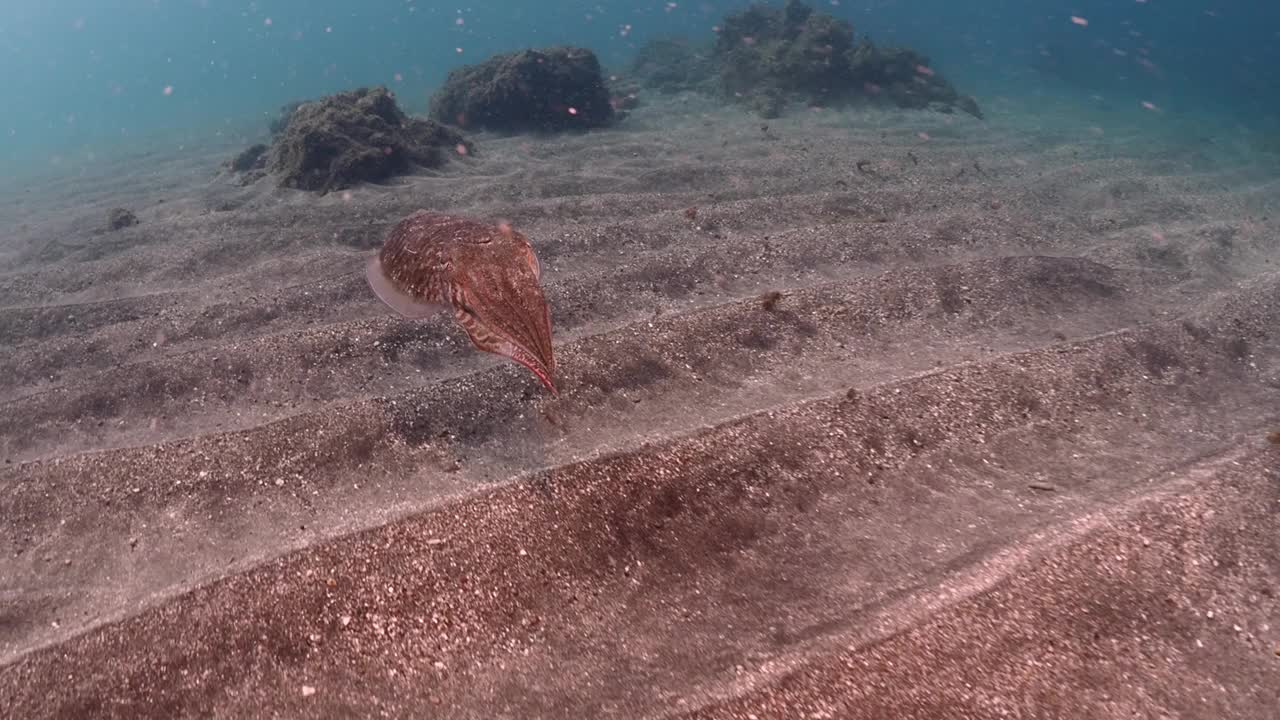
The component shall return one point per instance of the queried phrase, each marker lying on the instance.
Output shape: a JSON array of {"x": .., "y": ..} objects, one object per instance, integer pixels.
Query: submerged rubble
[
  {"x": 766, "y": 57},
  {"x": 552, "y": 89},
  {"x": 347, "y": 138}
]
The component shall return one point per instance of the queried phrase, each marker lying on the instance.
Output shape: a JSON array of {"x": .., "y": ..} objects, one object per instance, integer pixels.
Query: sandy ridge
[{"x": 986, "y": 336}]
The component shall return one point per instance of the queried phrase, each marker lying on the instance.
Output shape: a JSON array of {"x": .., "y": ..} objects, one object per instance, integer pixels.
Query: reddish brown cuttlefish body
[{"x": 488, "y": 275}]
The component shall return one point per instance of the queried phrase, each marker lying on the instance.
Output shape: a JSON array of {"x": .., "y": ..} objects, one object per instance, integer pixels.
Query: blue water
[{"x": 83, "y": 77}]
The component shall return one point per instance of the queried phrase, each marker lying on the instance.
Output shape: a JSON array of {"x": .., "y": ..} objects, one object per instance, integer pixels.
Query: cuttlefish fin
[{"x": 395, "y": 298}]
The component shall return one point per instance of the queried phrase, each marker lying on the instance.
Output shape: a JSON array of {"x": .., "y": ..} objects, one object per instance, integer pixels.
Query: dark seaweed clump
[
  {"x": 351, "y": 137},
  {"x": 552, "y": 89},
  {"x": 120, "y": 218},
  {"x": 767, "y": 57}
]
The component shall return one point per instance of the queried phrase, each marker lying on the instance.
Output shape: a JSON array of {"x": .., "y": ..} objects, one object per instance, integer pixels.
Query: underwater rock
[
  {"x": 674, "y": 65},
  {"x": 120, "y": 218},
  {"x": 764, "y": 50},
  {"x": 765, "y": 57},
  {"x": 905, "y": 77},
  {"x": 281, "y": 121},
  {"x": 252, "y": 158},
  {"x": 357, "y": 136},
  {"x": 559, "y": 88}
]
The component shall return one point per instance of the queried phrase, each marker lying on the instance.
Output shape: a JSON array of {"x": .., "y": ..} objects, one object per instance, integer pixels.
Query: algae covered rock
[
  {"x": 559, "y": 88},
  {"x": 352, "y": 137},
  {"x": 764, "y": 49},
  {"x": 766, "y": 56},
  {"x": 907, "y": 78}
]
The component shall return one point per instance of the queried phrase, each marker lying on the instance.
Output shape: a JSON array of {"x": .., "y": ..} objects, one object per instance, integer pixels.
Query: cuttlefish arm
[{"x": 486, "y": 339}]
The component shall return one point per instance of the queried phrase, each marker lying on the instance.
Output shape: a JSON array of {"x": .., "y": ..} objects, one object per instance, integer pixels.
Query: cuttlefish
[{"x": 487, "y": 274}]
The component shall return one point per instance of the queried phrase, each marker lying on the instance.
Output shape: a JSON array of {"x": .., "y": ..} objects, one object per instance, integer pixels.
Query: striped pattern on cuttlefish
[{"x": 487, "y": 274}]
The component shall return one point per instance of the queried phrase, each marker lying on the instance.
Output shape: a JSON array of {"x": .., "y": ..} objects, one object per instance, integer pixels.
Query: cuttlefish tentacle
[
  {"x": 487, "y": 274},
  {"x": 523, "y": 340}
]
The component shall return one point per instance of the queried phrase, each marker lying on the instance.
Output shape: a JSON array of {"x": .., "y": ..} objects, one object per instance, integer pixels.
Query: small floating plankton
[{"x": 487, "y": 274}]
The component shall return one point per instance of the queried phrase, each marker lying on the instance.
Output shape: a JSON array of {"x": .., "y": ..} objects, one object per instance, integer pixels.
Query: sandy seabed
[{"x": 999, "y": 449}]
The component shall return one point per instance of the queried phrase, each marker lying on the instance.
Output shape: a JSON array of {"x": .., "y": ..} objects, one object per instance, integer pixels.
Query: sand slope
[{"x": 998, "y": 451}]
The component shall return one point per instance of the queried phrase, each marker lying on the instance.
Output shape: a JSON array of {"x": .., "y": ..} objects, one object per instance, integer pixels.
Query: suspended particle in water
[
  {"x": 1079, "y": 21},
  {"x": 168, "y": 89}
]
